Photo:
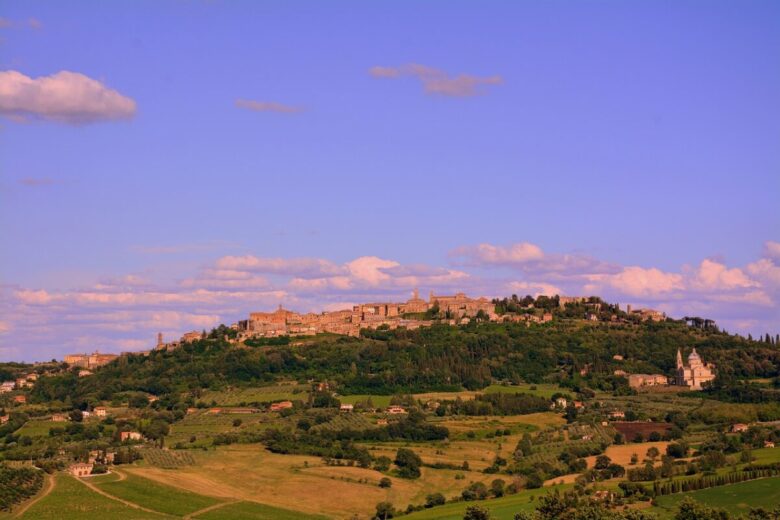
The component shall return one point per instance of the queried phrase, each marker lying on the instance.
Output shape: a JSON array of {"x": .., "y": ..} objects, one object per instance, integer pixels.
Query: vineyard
[
  {"x": 17, "y": 485},
  {"x": 255, "y": 396},
  {"x": 168, "y": 459}
]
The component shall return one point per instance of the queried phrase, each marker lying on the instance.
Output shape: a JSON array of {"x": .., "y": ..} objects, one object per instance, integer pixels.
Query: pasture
[
  {"x": 255, "y": 511},
  {"x": 38, "y": 428},
  {"x": 244, "y": 396},
  {"x": 500, "y": 508},
  {"x": 246, "y": 472},
  {"x": 735, "y": 498},
  {"x": 156, "y": 496},
  {"x": 72, "y": 500}
]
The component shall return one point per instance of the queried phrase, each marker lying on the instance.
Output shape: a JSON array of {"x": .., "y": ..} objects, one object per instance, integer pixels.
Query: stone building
[
  {"x": 96, "y": 359},
  {"x": 695, "y": 373},
  {"x": 80, "y": 469},
  {"x": 639, "y": 380}
]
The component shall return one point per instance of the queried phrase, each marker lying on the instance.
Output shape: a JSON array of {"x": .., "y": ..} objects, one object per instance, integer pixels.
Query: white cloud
[
  {"x": 267, "y": 106},
  {"x": 712, "y": 275},
  {"x": 438, "y": 82},
  {"x": 638, "y": 282},
  {"x": 66, "y": 97}
]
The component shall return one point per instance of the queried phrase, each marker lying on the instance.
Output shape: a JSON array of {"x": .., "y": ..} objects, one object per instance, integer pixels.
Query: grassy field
[
  {"x": 500, "y": 508},
  {"x": 766, "y": 455},
  {"x": 383, "y": 401},
  {"x": 203, "y": 426},
  {"x": 255, "y": 511},
  {"x": 735, "y": 498},
  {"x": 72, "y": 500},
  {"x": 156, "y": 496},
  {"x": 38, "y": 428},
  {"x": 256, "y": 394},
  {"x": 380, "y": 401},
  {"x": 248, "y": 473}
]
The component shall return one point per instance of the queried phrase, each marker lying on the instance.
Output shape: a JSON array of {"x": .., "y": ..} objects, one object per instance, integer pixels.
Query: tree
[
  {"x": 475, "y": 491},
  {"x": 476, "y": 513},
  {"x": 435, "y": 499},
  {"x": 408, "y": 463},
  {"x": 652, "y": 453},
  {"x": 237, "y": 423},
  {"x": 382, "y": 463},
  {"x": 497, "y": 487},
  {"x": 602, "y": 462},
  {"x": 384, "y": 510},
  {"x": 385, "y": 482}
]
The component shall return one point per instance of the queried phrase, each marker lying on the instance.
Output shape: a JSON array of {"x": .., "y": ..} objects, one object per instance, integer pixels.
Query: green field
[
  {"x": 542, "y": 390},
  {"x": 380, "y": 401},
  {"x": 501, "y": 508},
  {"x": 255, "y": 511},
  {"x": 766, "y": 455},
  {"x": 256, "y": 394},
  {"x": 735, "y": 498},
  {"x": 159, "y": 497},
  {"x": 38, "y": 428},
  {"x": 71, "y": 499}
]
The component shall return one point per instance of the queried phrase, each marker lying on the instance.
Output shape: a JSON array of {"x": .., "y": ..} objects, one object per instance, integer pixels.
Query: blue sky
[{"x": 633, "y": 143}]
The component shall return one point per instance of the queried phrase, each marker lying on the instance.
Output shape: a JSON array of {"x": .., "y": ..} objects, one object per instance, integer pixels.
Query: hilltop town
[{"x": 454, "y": 310}]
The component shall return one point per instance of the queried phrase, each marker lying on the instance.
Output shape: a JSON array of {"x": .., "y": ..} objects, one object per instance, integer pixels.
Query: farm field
[
  {"x": 72, "y": 500},
  {"x": 244, "y": 472},
  {"x": 766, "y": 455},
  {"x": 203, "y": 425},
  {"x": 38, "y": 428},
  {"x": 735, "y": 498},
  {"x": 156, "y": 496},
  {"x": 383, "y": 401},
  {"x": 501, "y": 508},
  {"x": 255, "y": 511},
  {"x": 621, "y": 453},
  {"x": 256, "y": 394}
]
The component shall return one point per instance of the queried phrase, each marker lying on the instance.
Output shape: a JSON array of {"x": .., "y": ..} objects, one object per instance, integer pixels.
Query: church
[{"x": 695, "y": 373}]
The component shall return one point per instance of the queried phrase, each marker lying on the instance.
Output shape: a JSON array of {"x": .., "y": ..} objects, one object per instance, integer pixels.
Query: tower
[
  {"x": 416, "y": 294},
  {"x": 679, "y": 359},
  {"x": 159, "y": 340}
]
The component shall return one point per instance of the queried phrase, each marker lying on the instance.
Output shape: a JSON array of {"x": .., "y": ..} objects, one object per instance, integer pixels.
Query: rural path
[
  {"x": 96, "y": 489},
  {"x": 48, "y": 485},
  {"x": 210, "y": 508}
]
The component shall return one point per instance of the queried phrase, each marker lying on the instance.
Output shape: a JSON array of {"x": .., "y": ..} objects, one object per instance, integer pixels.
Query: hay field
[{"x": 248, "y": 472}]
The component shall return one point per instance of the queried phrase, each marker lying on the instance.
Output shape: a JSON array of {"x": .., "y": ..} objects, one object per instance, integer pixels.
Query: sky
[{"x": 172, "y": 165}]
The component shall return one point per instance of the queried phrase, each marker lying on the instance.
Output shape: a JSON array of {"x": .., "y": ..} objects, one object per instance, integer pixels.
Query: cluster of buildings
[
  {"x": 364, "y": 316},
  {"x": 19, "y": 383},
  {"x": 458, "y": 308},
  {"x": 693, "y": 375},
  {"x": 88, "y": 361}
]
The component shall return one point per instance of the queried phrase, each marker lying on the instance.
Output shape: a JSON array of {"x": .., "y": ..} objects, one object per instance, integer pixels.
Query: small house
[
  {"x": 281, "y": 405},
  {"x": 130, "y": 436},
  {"x": 395, "y": 409},
  {"x": 80, "y": 469},
  {"x": 100, "y": 411},
  {"x": 347, "y": 407}
]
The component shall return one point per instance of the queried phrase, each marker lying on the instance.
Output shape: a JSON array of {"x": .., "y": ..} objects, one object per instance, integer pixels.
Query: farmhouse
[
  {"x": 640, "y": 380},
  {"x": 59, "y": 417},
  {"x": 4, "y": 418},
  {"x": 130, "y": 436},
  {"x": 100, "y": 411},
  {"x": 7, "y": 386},
  {"x": 395, "y": 410},
  {"x": 346, "y": 407},
  {"x": 80, "y": 469},
  {"x": 281, "y": 405},
  {"x": 20, "y": 399},
  {"x": 769, "y": 444},
  {"x": 739, "y": 428}
]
